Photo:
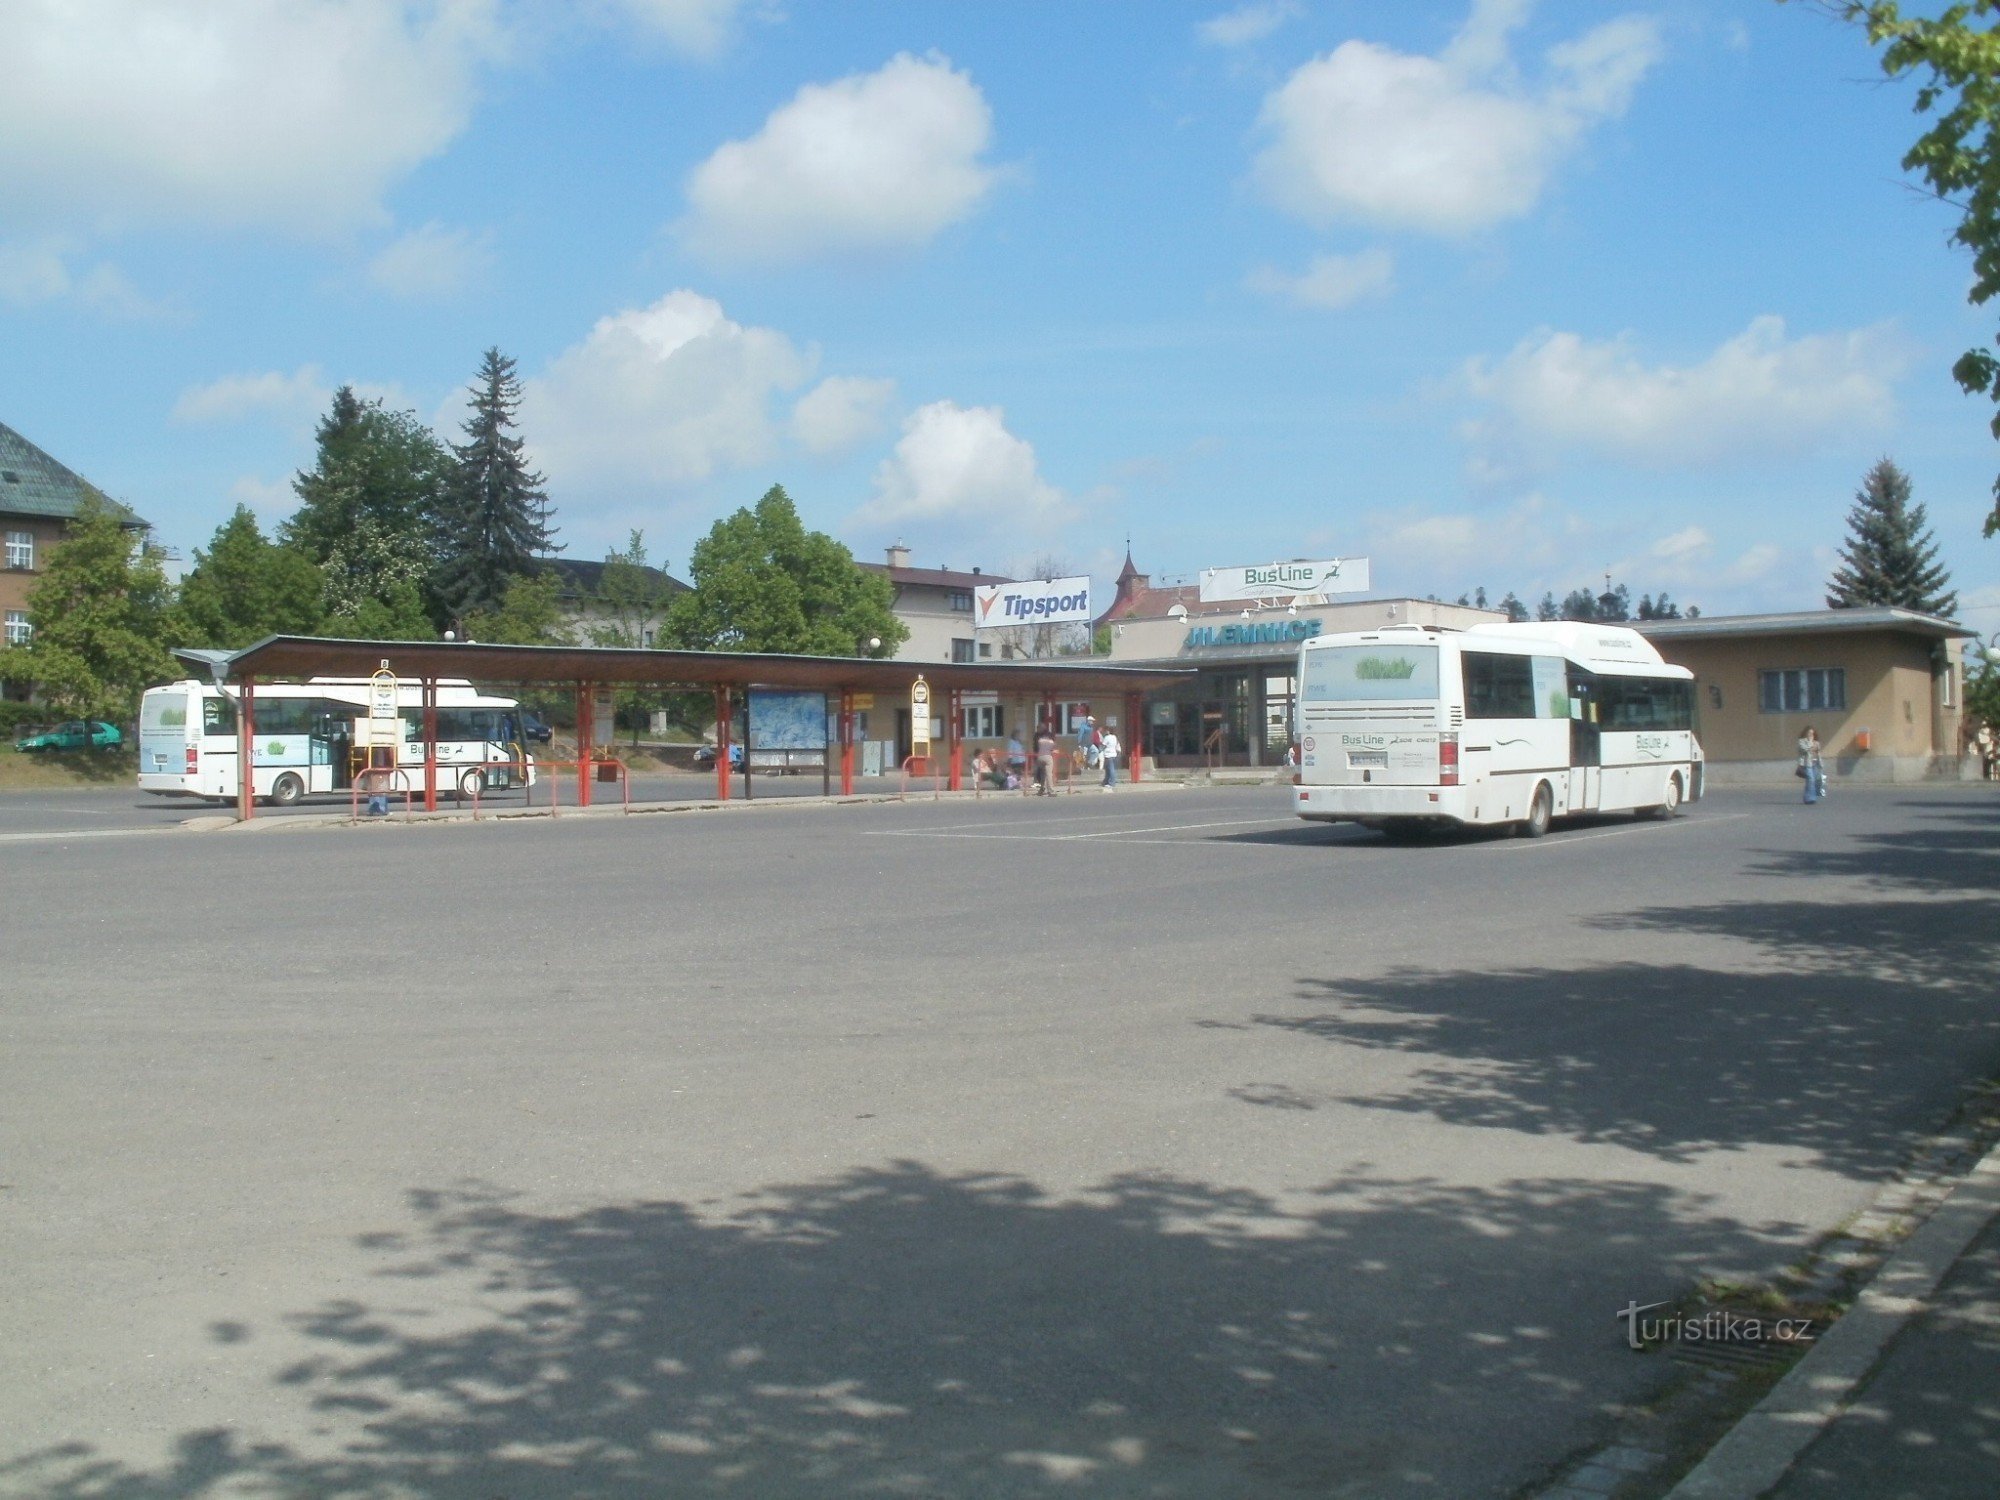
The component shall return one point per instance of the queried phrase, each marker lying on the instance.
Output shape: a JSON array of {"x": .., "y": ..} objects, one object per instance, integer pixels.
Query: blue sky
[{"x": 1494, "y": 292}]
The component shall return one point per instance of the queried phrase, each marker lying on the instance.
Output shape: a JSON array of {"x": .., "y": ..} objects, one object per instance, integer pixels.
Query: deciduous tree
[
  {"x": 102, "y": 617},
  {"x": 762, "y": 582},
  {"x": 244, "y": 588}
]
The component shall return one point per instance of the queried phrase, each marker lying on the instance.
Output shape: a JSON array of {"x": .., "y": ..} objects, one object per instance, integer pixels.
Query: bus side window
[{"x": 218, "y": 716}]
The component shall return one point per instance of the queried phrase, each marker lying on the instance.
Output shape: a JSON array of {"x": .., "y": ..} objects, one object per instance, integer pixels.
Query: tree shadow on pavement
[{"x": 901, "y": 1332}]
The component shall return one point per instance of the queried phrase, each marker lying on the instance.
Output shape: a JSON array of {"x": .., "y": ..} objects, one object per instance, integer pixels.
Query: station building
[{"x": 1884, "y": 687}]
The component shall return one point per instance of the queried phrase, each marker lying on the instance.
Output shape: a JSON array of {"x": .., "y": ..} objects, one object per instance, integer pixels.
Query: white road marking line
[{"x": 83, "y": 833}]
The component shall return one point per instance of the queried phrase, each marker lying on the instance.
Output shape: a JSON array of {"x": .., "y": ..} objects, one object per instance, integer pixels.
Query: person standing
[
  {"x": 1045, "y": 761},
  {"x": 1811, "y": 766},
  {"x": 1017, "y": 759},
  {"x": 1107, "y": 752}
]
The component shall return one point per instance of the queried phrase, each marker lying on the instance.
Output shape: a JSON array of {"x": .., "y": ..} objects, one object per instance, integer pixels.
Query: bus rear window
[
  {"x": 163, "y": 711},
  {"x": 1370, "y": 674}
]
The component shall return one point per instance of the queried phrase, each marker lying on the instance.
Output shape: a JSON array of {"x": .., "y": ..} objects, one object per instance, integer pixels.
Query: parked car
[
  {"x": 533, "y": 727},
  {"x": 704, "y": 755},
  {"x": 77, "y": 734}
]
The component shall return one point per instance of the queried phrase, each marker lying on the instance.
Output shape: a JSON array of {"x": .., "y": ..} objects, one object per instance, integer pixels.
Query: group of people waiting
[{"x": 1096, "y": 749}]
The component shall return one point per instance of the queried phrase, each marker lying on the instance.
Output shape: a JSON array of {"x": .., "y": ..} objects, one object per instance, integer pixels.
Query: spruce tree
[
  {"x": 1889, "y": 557},
  {"x": 494, "y": 523}
]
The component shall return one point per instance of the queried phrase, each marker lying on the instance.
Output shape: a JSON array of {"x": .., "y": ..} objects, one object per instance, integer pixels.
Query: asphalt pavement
[{"x": 1151, "y": 1144}]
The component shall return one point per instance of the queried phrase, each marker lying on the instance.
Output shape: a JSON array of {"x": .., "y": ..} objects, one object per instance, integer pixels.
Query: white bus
[
  {"x": 1412, "y": 727},
  {"x": 305, "y": 739}
]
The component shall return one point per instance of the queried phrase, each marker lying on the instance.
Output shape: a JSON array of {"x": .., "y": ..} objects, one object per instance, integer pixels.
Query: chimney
[{"x": 899, "y": 556}]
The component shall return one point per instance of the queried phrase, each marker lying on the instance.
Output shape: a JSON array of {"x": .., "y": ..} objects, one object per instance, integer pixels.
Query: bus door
[{"x": 1586, "y": 752}]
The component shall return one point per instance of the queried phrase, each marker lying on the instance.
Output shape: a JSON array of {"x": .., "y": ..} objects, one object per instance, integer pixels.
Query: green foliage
[
  {"x": 102, "y": 615},
  {"x": 1982, "y": 695},
  {"x": 396, "y": 613},
  {"x": 366, "y": 508},
  {"x": 245, "y": 588},
  {"x": 762, "y": 582},
  {"x": 1957, "y": 63},
  {"x": 493, "y": 522},
  {"x": 633, "y": 595},
  {"x": 1889, "y": 557},
  {"x": 531, "y": 614},
  {"x": 1516, "y": 610}
]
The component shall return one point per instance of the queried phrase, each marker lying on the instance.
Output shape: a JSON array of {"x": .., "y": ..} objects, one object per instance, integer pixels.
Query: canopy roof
[{"x": 283, "y": 656}]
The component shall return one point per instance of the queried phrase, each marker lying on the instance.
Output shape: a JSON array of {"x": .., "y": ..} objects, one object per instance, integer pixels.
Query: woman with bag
[{"x": 1811, "y": 767}]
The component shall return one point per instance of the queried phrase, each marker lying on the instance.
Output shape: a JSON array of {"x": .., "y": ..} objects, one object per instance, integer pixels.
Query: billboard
[
  {"x": 1052, "y": 601},
  {"x": 781, "y": 719},
  {"x": 1287, "y": 580}
]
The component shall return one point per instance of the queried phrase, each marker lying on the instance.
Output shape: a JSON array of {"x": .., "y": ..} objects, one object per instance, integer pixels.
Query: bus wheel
[
  {"x": 1540, "y": 810},
  {"x": 1670, "y": 800},
  {"x": 286, "y": 790},
  {"x": 470, "y": 785}
]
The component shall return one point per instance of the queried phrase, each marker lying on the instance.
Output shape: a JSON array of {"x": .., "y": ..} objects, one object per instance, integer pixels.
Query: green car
[{"x": 77, "y": 734}]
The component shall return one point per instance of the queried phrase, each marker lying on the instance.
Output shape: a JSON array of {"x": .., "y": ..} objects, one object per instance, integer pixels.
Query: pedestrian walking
[
  {"x": 1107, "y": 752},
  {"x": 1045, "y": 761},
  {"x": 1811, "y": 766}
]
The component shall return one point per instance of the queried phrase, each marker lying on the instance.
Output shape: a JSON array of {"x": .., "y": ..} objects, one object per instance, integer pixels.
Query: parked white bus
[
  {"x": 305, "y": 739},
  {"x": 1410, "y": 726}
]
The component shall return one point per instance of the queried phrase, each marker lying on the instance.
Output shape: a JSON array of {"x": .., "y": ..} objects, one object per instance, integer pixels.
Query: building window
[
  {"x": 960, "y": 601},
  {"x": 21, "y": 549},
  {"x": 985, "y": 650},
  {"x": 961, "y": 651},
  {"x": 18, "y": 628},
  {"x": 1802, "y": 690},
  {"x": 985, "y": 721},
  {"x": 1948, "y": 685}
]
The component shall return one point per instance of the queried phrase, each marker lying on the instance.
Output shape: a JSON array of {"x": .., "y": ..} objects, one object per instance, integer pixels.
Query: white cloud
[
  {"x": 960, "y": 463},
  {"x": 1248, "y": 23},
  {"x": 1687, "y": 543},
  {"x": 671, "y": 393},
  {"x": 840, "y": 412},
  {"x": 1446, "y": 144},
  {"x": 1331, "y": 281},
  {"x": 432, "y": 262},
  {"x": 1758, "y": 393},
  {"x": 298, "y": 114},
  {"x": 38, "y": 271},
  {"x": 235, "y": 397},
  {"x": 876, "y": 161},
  {"x": 695, "y": 28}
]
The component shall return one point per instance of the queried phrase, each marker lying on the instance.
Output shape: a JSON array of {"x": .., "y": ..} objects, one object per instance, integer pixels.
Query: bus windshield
[{"x": 1370, "y": 673}]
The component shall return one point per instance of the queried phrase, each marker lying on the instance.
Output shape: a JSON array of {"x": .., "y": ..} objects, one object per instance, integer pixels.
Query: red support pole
[
  {"x": 246, "y": 749},
  {"x": 954, "y": 729},
  {"x": 1134, "y": 707},
  {"x": 430, "y": 744},
  {"x": 583, "y": 746},
  {"x": 847, "y": 742},
  {"x": 722, "y": 730}
]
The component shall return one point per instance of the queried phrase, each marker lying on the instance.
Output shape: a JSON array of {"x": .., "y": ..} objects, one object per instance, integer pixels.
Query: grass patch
[{"x": 58, "y": 769}]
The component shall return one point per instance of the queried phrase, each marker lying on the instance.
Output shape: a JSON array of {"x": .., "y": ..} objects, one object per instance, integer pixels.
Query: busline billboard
[
  {"x": 1286, "y": 580},
  {"x": 1039, "y": 601}
]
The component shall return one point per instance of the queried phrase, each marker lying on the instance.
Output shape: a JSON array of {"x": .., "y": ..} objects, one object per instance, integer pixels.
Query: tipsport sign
[{"x": 1053, "y": 601}]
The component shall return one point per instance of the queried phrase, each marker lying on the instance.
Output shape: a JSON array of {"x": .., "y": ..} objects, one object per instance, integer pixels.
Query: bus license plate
[{"x": 1376, "y": 758}]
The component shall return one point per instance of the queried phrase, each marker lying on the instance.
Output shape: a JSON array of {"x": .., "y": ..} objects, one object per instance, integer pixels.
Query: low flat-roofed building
[{"x": 1883, "y": 686}]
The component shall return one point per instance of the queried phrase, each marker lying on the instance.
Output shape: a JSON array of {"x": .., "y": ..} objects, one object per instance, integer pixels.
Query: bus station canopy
[{"x": 288, "y": 656}]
